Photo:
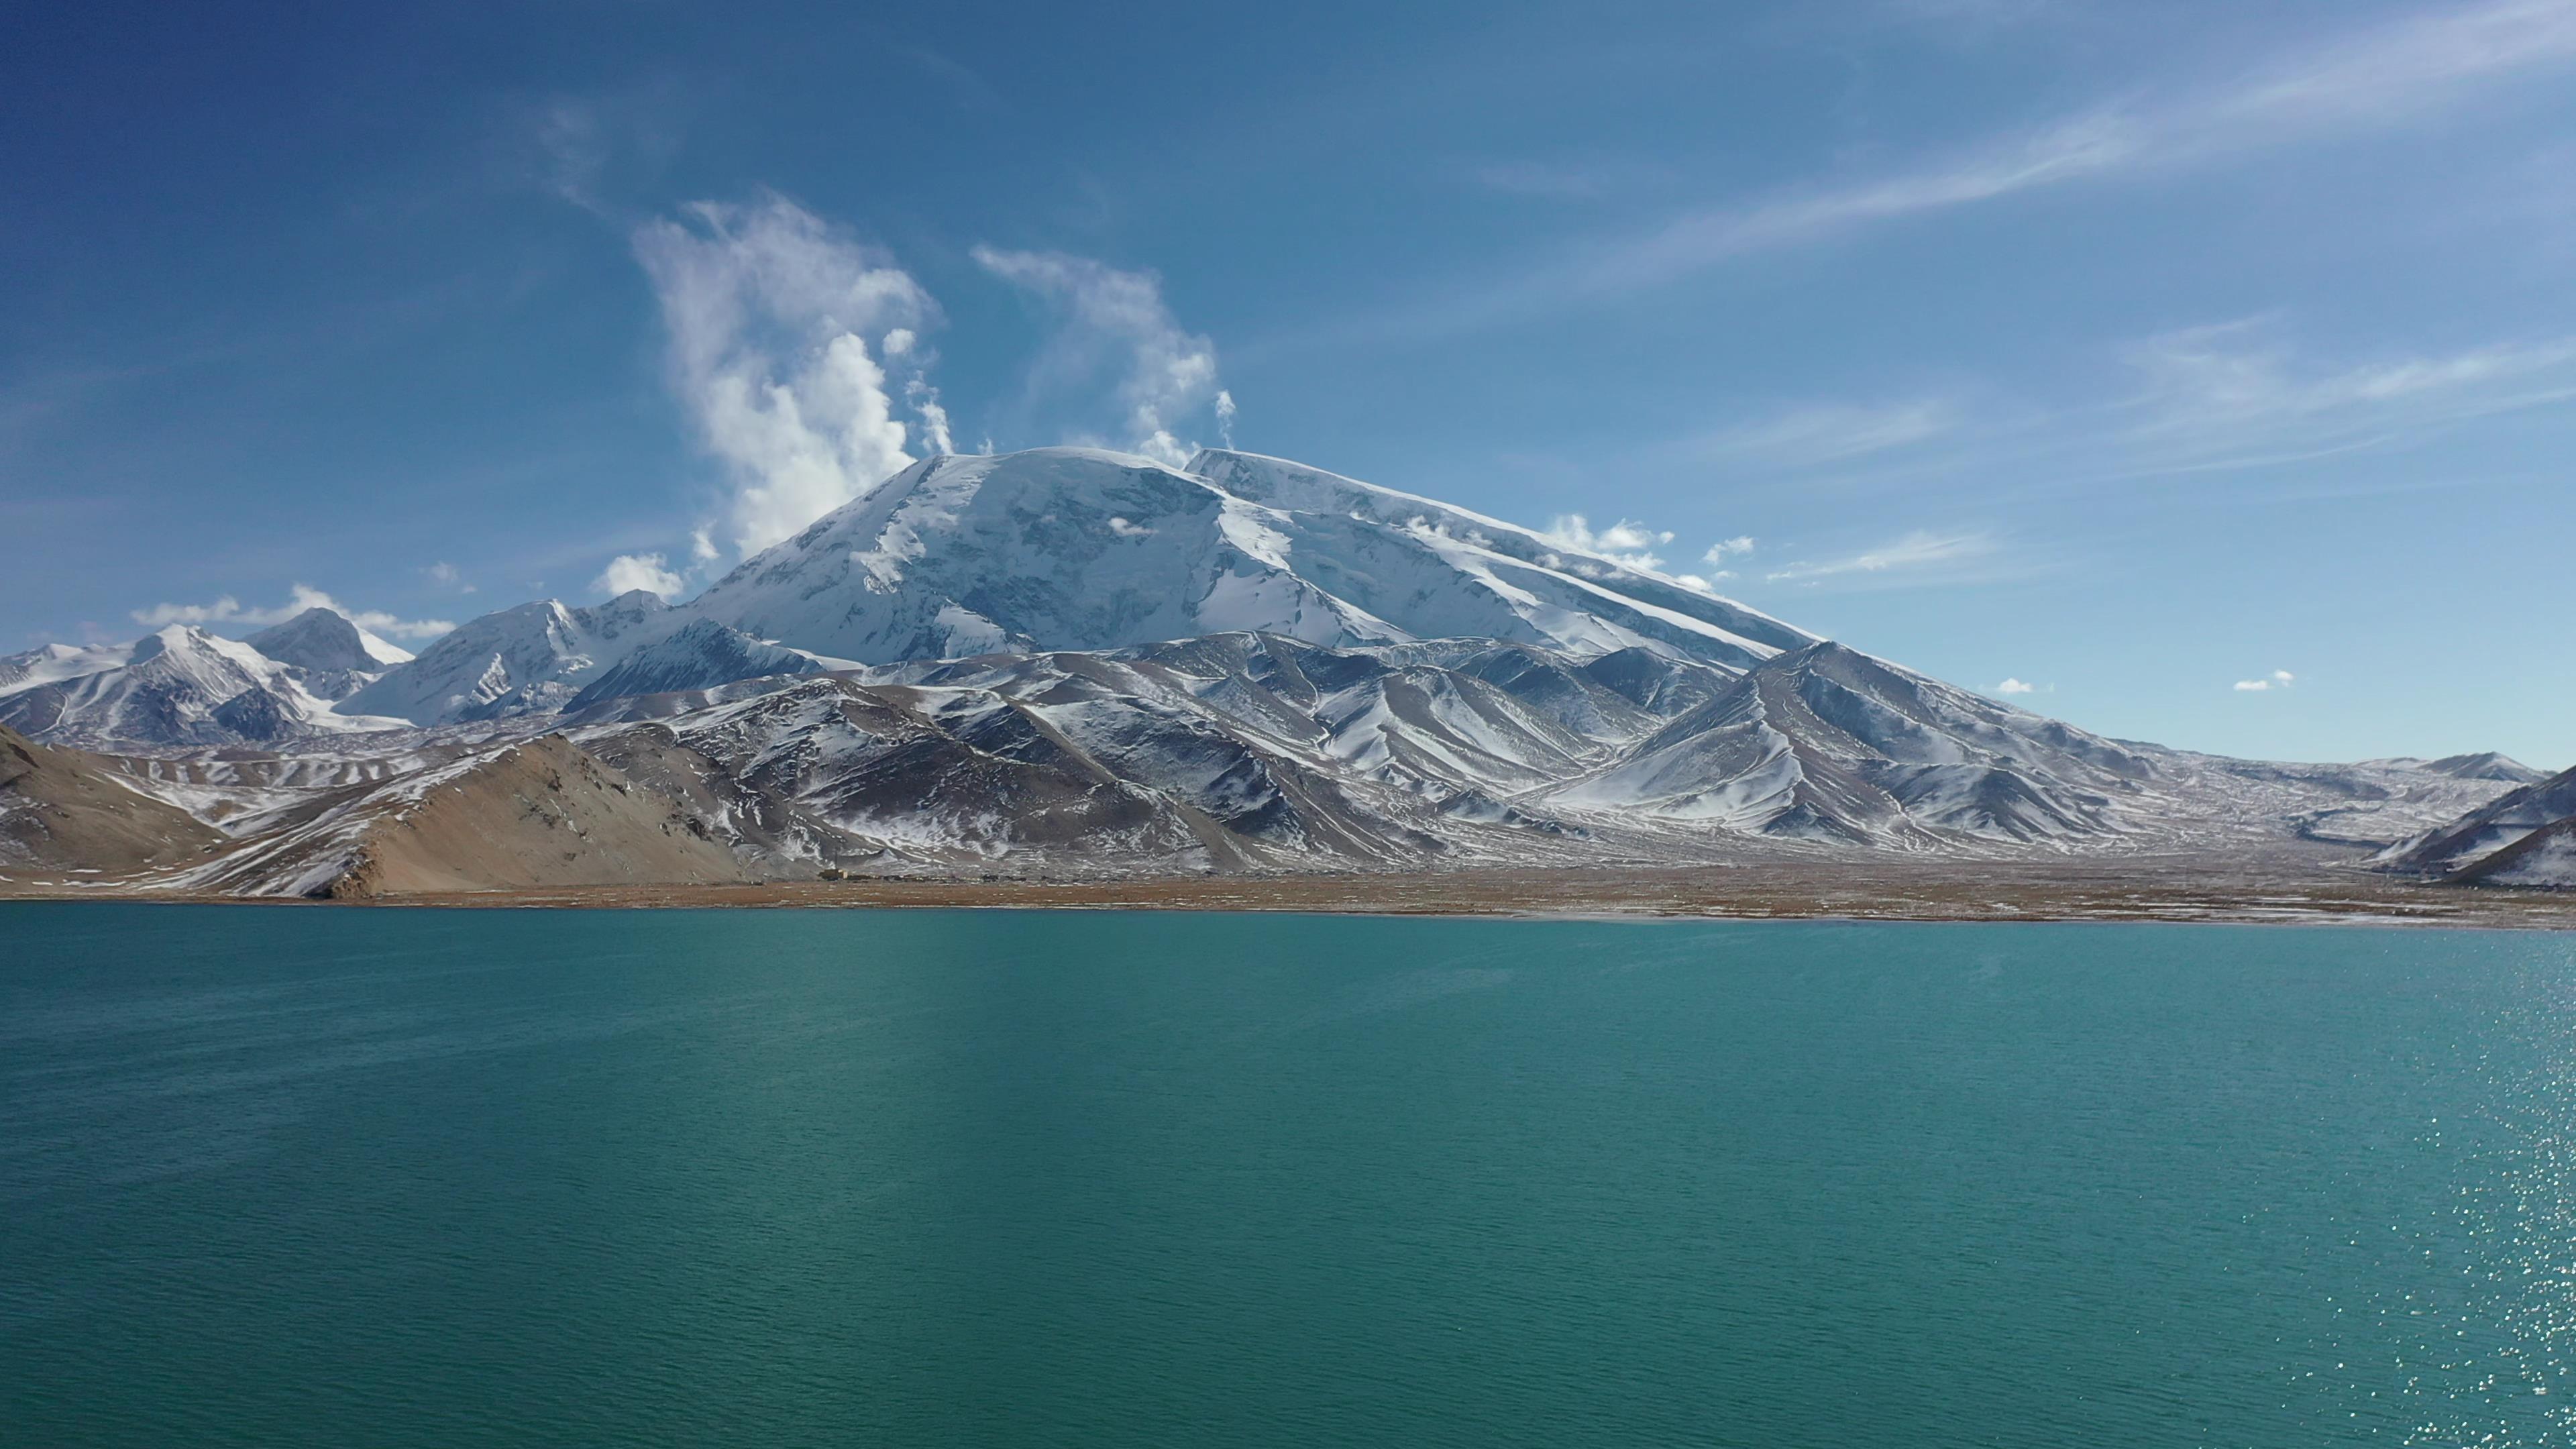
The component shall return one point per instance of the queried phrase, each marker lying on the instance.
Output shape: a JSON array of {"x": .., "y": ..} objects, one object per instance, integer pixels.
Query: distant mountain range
[{"x": 1072, "y": 661}]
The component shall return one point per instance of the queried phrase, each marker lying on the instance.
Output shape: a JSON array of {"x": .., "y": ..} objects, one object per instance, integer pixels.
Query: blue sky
[{"x": 2135, "y": 353}]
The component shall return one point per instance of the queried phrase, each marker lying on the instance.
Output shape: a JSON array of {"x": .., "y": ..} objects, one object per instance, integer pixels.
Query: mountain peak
[
  {"x": 325, "y": 639},
  {"x": 1083, "y": 548}
]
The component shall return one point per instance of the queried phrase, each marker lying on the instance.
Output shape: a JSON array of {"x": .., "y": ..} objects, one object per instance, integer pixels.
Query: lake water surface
[{"x": 346, "y": 1177}]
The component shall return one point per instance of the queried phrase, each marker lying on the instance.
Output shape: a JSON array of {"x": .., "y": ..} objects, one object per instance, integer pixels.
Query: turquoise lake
[{"x": 351, "y": 1177}]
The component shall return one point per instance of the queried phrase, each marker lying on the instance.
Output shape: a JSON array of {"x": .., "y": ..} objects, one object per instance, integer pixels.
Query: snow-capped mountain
[
  {"x": 1074, "y": 548},
  {"x": 324, "y": 642},
  {"x": 701, "y": 653},
  {"x": 527, "y": 660},
  {"x": 1079, "y": 661},
  {"x": 53, "y": 663},
  {"x": 182, "y": 685},
  {"x": 1253, "y": 752}
]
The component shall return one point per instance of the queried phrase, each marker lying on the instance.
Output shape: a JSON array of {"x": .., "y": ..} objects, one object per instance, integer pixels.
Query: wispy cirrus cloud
[
  {"x": 2390, "y": 75},
  {"x": 2277, "y": 679},
  {"x": 2240, "y": 388},
  {"x": 2241, "y": 395},
  {"x": 1919, "y": 556},
  {"x": 1820, "y": 433}
]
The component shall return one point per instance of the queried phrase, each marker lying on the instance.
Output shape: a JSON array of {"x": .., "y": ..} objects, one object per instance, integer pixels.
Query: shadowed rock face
[{"x": 256, "y": 714}]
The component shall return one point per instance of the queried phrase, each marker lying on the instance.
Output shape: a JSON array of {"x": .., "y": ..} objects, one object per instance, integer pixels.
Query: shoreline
[{"x": 2134, "y": 889}]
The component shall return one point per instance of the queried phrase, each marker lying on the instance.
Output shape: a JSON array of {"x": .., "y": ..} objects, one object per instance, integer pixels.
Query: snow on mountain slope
[
  {"x": 2543, "y": 860},
  {"x": 63, "y": 810},
  {"x": 1080, "y": 661},
  {"x": 2484, "y": 765},
  {"x": 1829, "y": 743},
  {"x": 54, "y": 663},
  {"x": 701, "y": 655},
  {"x": 2457, "y": 849},
  {"x": 1072, "y": 548},
  {"x": 179, "y": 686},
  {"x": 1512, "y": 582},
  {"x": 326, "y": 641},
  {"x": 1235, "y": 752},
  {"x": 530, "y": 659},
  {"x": 528, "y": 814}
]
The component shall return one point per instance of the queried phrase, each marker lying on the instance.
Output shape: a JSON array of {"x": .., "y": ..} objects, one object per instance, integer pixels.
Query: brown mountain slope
[
  {"x": 62, "y": 810},
  {"x": 532, "y": 816},
  {"x": 540, "y": 814}
]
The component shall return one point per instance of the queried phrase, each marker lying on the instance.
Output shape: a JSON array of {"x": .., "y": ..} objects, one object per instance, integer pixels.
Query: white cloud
[
  {"x": 2079, "y": 146},
  {"x": 447, "y": 576},
  {"x": 934, "y": 417},
  {"x": 767, "y": 311},
  {"x": 1917, "y": 550},
  {"x": 1626, "y": 542},
  {"x": 229, "y": 610},
  {"x": 1225, "y": 417},
  {"x": 2023, "y": 686},
  {"x": 2277, "y": 679},
  {"x": 1124, "y": 529},
  {"x": 1826, "y": 433},
  {"x": 702, "y": 547},
  {"x": 2234, "y": 387},
  {"x": 1117, "y": 322},
  {"x": 650, "y": 572},
  {"x": 1726, "y": 548}
]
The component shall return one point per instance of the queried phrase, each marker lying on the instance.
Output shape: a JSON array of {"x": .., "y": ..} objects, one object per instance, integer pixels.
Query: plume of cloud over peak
[
  {"x": 650, "y": 572},
  {"x": 768, "y": 312},
  {"x": 1117, "y": 321},
  {"x": 228, "y": 610}
]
